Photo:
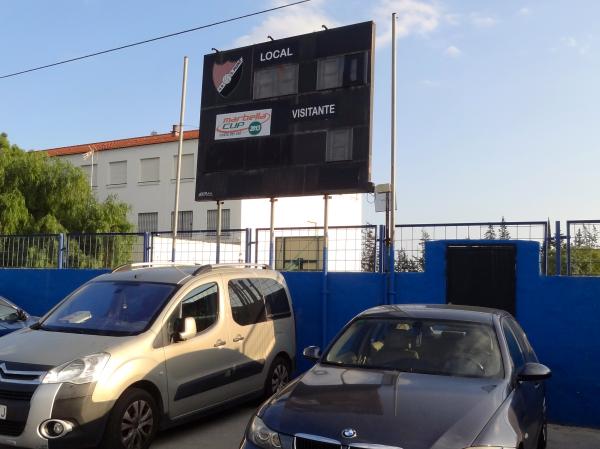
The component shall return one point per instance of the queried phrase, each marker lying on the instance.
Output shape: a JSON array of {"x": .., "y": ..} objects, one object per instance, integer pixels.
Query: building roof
[{"x": 122, "y": 143}]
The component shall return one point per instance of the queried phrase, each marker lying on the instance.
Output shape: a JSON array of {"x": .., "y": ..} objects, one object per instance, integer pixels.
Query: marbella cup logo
[
  {"x": 226, "y": 76},
  {"x": 243, "y": 124}
]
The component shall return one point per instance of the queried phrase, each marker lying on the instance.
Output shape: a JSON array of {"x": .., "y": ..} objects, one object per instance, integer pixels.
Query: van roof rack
[
  {"x": 202, "y": 268},
  {"x": 210, "y": 267},
  {"x": 133, "y": 266}
]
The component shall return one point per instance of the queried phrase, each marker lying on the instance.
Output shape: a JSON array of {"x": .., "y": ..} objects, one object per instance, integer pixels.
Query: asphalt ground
[{"x": 224, "y": 431}]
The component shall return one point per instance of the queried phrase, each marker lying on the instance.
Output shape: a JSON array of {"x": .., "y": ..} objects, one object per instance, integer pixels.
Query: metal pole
[
  {"x": 61, "y": 245},
  {"x": 272, "y": 235},
  {"x": 568, "y": 249},
  {"x": 325, "y": 262},
  {"x": 392, "y": 220},
  {"x": 248, "y": 254},
  {"x": 92, "y": 172},
  {"x": 219, "y": 225},
  {"x": 557, "y": 245},
  {"x": 179, "y": 152}
]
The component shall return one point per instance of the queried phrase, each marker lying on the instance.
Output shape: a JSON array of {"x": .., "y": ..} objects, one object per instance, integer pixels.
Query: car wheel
[
  {"x": 543, "y": 438},
  {"x": 278, "y": 377},
  {"x": 133, "y": 422}
]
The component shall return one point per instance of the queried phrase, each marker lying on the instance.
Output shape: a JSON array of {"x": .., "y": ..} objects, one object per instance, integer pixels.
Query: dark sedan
[
  {"x": 413, "y": 377},
  {"x": 13, "y": 318}
]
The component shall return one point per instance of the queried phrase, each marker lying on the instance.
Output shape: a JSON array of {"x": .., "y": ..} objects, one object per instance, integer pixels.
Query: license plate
[{"x": 3, "y": 410}]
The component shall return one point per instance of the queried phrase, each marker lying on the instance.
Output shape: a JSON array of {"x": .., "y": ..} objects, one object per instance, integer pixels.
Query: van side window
[
  {"x": 276, "y": 300},
  {"x": 202, "y": 303},
  {"x": 247, "y": 304}
]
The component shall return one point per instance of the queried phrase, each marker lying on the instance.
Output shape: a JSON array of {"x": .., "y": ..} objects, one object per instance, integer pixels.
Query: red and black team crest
[{"x": 227, "y": 75}]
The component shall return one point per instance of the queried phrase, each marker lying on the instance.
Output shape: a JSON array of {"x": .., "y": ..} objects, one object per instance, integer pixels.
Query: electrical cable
[{"x": 154, "y": 39}]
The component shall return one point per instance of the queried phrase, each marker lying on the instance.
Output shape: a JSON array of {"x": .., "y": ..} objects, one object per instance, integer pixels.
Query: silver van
[{"x": 141, "y": 348}]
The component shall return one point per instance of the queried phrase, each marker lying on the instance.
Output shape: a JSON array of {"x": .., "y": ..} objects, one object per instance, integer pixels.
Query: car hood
[
  {"x": 405, "y": 410},
  {"x": 51, "y": 349}
]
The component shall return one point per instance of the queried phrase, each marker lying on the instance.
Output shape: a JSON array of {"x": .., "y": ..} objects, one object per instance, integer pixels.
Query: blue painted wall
[{"x": 561, "y": 315}]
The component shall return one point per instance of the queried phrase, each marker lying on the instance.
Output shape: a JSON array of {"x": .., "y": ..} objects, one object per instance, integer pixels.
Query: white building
[{"x": 140, "y": 171}]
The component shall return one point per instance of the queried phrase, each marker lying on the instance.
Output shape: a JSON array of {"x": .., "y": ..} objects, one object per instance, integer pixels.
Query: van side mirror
[
  {"x": 534, "y": 372},
  {"x": 188, "y": 329},
  {"x": 312, "y": 353}
]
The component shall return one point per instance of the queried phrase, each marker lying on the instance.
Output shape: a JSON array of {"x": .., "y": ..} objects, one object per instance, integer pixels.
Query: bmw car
[
  {"x": 413, "y": 377},
  {"x": 13, "y": 318}
]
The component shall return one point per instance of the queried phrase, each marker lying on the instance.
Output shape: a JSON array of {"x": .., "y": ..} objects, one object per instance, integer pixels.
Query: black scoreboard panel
[{"x": 290, "y": 117}]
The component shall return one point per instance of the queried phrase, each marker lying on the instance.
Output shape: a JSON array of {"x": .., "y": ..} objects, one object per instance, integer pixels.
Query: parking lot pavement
[{"x": 224, "y": 431}]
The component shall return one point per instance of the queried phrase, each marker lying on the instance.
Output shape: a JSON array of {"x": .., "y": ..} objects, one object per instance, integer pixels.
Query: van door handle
[
  {"x": 238, "y": 337},
  {"x": 219, "y": 342}
]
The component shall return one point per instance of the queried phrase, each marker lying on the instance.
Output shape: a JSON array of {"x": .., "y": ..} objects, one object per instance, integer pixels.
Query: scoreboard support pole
[
  {"x": 325, "y": 292},
  {"x": 272, "y": 235},
  {"x": 392, "y": 207},
  {"x": 219, "y": 226}
]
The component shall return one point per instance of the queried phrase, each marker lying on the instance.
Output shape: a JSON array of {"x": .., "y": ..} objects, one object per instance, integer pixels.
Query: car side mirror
[
  {"x": 534, "y": 372},
  {"x": 188, "y": 329},
  {"x": 312, "y": 353}
]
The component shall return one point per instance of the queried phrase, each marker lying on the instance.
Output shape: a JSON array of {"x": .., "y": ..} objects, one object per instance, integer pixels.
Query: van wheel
[
  {"x": 278, "y": 377},
  {"x": 133, "y": 422}
]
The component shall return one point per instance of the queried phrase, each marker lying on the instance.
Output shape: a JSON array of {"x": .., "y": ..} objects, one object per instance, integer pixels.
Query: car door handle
[
  {"x": 238, "y": 338},
  {"x": 220, "y": 342}
]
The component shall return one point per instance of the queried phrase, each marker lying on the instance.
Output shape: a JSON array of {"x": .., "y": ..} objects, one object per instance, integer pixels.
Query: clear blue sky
[{"x": 498, "y": 101}]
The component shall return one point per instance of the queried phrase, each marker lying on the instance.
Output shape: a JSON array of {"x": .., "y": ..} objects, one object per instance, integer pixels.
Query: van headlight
[
  {"x": 262, "y": 436},
  {"x": 79, "y": 371}
]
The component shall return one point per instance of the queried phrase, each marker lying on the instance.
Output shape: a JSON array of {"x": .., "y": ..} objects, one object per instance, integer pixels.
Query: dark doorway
[{"x": 481, "y": 276}]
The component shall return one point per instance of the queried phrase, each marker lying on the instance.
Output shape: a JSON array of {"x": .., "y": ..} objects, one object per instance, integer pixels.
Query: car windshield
[
  {"x": 8, "y": 312},
  {"x": 440, "y": 347},
  {"x": 109, "y": 308}
]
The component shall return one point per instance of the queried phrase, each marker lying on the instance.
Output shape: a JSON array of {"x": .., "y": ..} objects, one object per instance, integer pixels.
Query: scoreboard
[{"x": 290, "y": 117}]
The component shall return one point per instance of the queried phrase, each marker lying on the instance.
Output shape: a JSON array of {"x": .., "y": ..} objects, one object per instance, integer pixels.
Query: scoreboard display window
[{"x": 290, "y": 117}]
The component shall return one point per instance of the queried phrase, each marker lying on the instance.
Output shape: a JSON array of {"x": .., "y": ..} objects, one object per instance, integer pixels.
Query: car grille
[
  {"x": 16, "y": 395},
  {"x": 12, "y": 428},
  {"x": 305, "y": 443}
]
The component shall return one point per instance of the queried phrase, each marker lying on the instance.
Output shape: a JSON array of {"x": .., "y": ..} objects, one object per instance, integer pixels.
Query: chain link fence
[
  {"x": 410, "y": 238},
  {"x": 350, "y": 248},
  {"x": 583, "y": 248}
]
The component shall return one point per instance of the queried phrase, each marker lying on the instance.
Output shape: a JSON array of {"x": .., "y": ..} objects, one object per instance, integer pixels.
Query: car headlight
[
  {"x": 262, "y": 436},
  {"x": 79, "y": 371}
]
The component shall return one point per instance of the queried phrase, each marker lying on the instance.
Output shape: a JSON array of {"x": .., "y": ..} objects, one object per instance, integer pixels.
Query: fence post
[
  {"x": 146, "y": 247},
  {"x": 568, "y": 248},
  {"x": 61, "y": 248},
  {"x": 248, "y": 253},
  {"x": 381, "y": 248},
  {"x": 557, "y": 245}
]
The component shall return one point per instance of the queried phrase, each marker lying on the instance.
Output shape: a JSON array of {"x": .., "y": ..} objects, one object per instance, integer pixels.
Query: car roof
[
  {"x": 435, "y": 311},
  {"x": 174, "y": 273}
]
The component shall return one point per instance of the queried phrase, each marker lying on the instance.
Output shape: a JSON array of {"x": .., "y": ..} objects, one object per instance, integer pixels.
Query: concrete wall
[{"x": 561, "y": 315}]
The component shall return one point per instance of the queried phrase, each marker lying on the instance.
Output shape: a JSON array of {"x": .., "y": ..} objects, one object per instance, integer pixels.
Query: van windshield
[{"x": 109, "y": 308}]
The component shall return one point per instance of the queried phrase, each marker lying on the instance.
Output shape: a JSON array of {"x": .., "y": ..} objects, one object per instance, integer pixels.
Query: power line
[{"x": 134, "y": 44}]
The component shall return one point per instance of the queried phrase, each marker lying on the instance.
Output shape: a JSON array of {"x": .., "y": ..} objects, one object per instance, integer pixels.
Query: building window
[
  {"x": 148, "y": 222},
  {"x": 330, "y": 72},
  {"x": 211, "y": 219},
  {"x": 187, "y": 166},
  {"x": 87, "y": 169},
  {"x": 185, "y": 221},
  {"x": 117, "y": 173},
  {"x": 339, "y": 145},
  {"x": 275, "y": 81},
  {"x": 150, "y": 169}
]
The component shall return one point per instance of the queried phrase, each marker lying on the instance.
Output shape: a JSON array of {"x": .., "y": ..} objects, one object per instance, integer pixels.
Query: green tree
[
  {"x": 42, "y": 195},
  {"x": 368, "y": 249},
  {"x": 490, "y": 233},
  {"x": 503, "y": 233}
]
